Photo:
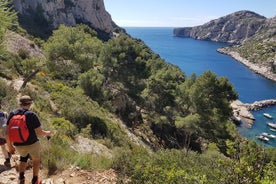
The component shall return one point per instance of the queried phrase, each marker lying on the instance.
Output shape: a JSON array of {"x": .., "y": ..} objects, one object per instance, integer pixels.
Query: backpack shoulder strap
[{"x": 19, "y": 111}]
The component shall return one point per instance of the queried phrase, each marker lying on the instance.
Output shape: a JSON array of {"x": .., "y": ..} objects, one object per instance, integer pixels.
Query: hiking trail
[{"x": 72, "y": 175}]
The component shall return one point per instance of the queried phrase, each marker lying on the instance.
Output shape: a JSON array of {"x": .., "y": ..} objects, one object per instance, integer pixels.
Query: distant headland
[{"x": 252, "y": 38}]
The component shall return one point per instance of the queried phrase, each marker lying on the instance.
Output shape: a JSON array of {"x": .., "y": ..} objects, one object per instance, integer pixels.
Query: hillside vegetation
[
  {"x": 142, "y": 116},
  {"x": 260, "y": 49}
]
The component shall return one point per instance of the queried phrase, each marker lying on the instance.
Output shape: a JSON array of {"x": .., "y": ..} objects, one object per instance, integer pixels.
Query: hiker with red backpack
[
  {"x": 3, "y": 125},
  {"x": 23, "y": 127}
]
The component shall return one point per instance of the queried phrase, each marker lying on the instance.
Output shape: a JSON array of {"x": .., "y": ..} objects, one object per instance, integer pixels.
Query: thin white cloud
[
  {"x": 168, "y": 22},
  {"x": 180, "y": 13},
  {"x": 192, "y": 21}
]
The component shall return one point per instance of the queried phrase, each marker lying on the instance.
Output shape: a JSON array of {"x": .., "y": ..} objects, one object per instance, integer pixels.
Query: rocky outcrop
[
  {"x": 233, "y": 28},
  {"x": 40, "y": 17},
  {"x": 253, "y": 37},
  {"x": 88, "y": 146},
  {"x": 16, "y": 43},
  {"x": 242, "y": 111},
  {"x": 258, "y": 52},
  {"x": 260, "y": 104}
]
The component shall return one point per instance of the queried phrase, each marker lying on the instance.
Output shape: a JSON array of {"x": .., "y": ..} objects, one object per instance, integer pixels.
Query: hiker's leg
[
  {"x": 22, "y": 166},
  {"x": 24, "y": 156},
  {"x": 4, "y": 151},
  {"x": 3, "y": 147},
  {"x": 36, "y": 166},
  {"x": 35, "y": 154},
  {"x": 6, "y": 154}
]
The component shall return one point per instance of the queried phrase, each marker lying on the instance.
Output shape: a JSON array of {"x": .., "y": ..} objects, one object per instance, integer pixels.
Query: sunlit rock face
[
  {"x": 233, "y": 28},
  {"x": 42, "y": 16}
]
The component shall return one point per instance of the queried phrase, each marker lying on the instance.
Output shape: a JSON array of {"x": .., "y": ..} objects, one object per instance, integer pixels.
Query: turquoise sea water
[{"x": 196, "y": 56}]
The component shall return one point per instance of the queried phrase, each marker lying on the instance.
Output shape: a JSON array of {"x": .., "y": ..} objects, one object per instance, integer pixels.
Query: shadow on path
[{"x": 4, "y": 168}]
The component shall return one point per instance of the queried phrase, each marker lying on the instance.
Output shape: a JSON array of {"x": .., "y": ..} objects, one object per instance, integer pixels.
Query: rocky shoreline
[
  {"x": 262, "y": 70},
  {"x": 260, "y": 104},
  {"x": 242, "y": 111}
]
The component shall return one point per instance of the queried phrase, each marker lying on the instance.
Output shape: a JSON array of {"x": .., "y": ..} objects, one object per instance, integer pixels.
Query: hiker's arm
[
  {"x": 43, "y": 133},
  {"x": 9, "y": 144}
]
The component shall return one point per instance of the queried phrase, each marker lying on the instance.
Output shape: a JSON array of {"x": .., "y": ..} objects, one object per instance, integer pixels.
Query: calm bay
[{"x": 197, "y": 56}]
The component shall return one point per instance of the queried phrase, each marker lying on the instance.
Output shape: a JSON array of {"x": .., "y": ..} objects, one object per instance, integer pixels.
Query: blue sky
[{"x": 181, "y": 13}]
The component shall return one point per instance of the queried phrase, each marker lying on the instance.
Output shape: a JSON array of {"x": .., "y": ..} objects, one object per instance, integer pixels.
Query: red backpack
[{"x": 17, "y": 128}]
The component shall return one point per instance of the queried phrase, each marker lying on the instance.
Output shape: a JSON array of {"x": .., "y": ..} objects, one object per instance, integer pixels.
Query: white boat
[
  {"x": 262, "y": 138},
  {"x": 268, "y": 135},
  {"x": 273, "y": 129},
  {"x": 272, "y": 125},
  {"x": 267, "y": 115}
]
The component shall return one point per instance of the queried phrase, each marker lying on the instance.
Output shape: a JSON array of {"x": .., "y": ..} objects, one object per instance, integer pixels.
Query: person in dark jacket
[
  {"x": 30, "y": 148},
  {"x": 3, "y": 124}
]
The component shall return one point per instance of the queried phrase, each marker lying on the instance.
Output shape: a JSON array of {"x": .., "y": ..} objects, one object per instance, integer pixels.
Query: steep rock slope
[
  {"x": 253, "y": 37},
  {"x": 232, "y": 28},
  {"x": 259, "y": 51},
  {"x": 40, "y": 17}
]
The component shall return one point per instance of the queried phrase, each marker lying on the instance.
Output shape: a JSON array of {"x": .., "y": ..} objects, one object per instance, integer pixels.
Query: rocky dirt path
[{"x": 73, "y": 175}]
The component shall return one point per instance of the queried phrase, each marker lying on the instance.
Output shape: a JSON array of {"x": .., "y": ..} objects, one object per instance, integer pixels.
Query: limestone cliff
[
  {"x": 40, "y": 17},
  {"x": 253, "y": 37},
  {"x": 233, "y": 28},
  {"x": 259, "y": 51}
]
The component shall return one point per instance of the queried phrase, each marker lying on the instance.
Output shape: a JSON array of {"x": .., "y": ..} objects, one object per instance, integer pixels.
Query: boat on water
[
  {"x": 268, "y": 135},
  {"x": 267, "y": 115},
  {"x": 262, "y": 138},
  {"x": 272, "y": 125},
  {"x": 273, "y": 129}
]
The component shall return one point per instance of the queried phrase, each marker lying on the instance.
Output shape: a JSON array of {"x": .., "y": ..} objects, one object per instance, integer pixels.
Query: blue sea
[{"x": 197, "y": 56}]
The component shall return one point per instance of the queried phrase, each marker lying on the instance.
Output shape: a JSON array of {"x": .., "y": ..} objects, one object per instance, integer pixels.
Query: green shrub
[
  {"x": 91, "y": 161},
  {"x": 57, "y": 154},
  {"x": 23, "y": 53},
  {"x": 7, "y": 96},
  {"x": 64, "y": 128}
]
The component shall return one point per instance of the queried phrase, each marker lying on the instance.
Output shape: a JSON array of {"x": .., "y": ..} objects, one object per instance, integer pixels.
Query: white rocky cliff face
[
  {"x": 52, "y": 13},
  {"x": 232, "y": 28}
]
